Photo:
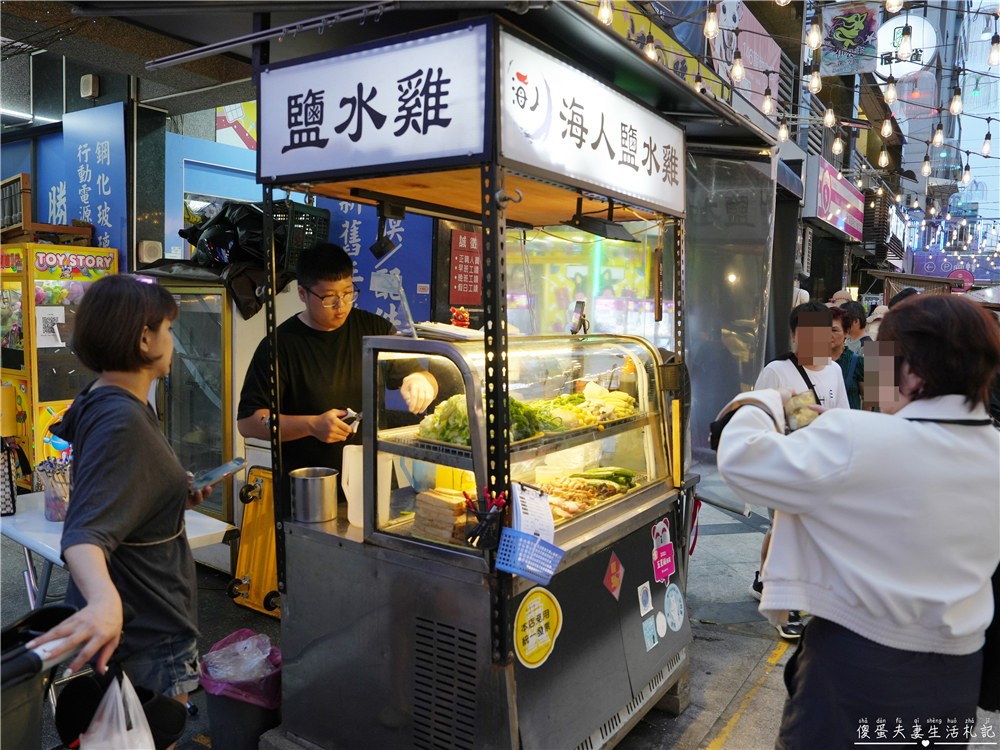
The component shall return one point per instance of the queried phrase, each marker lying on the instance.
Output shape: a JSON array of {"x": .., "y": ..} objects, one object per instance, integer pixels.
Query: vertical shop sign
[
  {"x": 94, "y": 153},
  {"x": 466, "y": 268},
  {"x": 663, "y": 552},
  {"x": 354, "y": 227},
  {"x": 850, "y": 42},
  {"x": 831, "y": 198}
]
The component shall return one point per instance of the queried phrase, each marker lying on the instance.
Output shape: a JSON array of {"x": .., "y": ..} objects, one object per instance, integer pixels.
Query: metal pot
[{"x": 314, "y": 494}]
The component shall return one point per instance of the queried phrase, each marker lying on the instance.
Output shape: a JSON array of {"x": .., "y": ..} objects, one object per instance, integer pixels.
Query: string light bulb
[
  {"x": 838, "y": 145},
  {"x": 925, "y": 170},
  {"x": 938, "y": 139},
  {"x": 893, "y": 6},
  {"x": 987, "y": 145},
  {"x": 815, "y": 36},
  {"x": 738, "y": 72},
  {"x": 947, "y": 217},
  {"x": 886, "y": 130},
  {"x": 605, "y": 13},
  {"x": 698, "y": 84},
  {"x": 905, "y": 49},
  {"x": 994, "y": 59},
  {"x": 650, "y": 48},
  {"x": 933, "y": 210},
  {"x": 967, "y": 174},
  {"x": 815, "y": 80},
  {"x": 890, "y": 90},
  {"x": 916, "y": 202},
  {"x": 783, "y": 130},
  {"x": 883, "y": 158},
  {"x": 711, "y": 29},
  {"x": 859, "y": 182},
  {"x": 768, "y": 106},
  {"x": 899, "y": 198},
  {"x": 829, "y": 119},
  {"x": 782, "y": 3},
  {"x": 879, "y": 191},
  {"x": 956, "y": 102}
]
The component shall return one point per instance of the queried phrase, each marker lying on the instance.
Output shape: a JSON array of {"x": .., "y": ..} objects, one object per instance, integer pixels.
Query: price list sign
[{"x": 466, "y": 268}]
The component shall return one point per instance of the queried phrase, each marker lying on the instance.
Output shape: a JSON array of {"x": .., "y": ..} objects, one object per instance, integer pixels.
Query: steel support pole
[{"x": 498, "y": 435}]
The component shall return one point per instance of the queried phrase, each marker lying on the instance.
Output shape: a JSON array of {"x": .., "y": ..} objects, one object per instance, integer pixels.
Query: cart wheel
[
  {"x": 247, "y": 494},
  {"x": 272, "y": 601},
  {"x": 232, "y": 590}
]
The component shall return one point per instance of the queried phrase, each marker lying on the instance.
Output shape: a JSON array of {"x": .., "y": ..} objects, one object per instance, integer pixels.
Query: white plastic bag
[{"x": 120, "y": 723}]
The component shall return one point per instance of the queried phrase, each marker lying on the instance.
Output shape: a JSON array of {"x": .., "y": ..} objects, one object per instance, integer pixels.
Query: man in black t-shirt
[{"x": 319, "y": 367}]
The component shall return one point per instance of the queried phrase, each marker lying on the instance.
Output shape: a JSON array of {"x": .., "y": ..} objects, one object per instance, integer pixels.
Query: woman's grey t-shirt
[{"x": 128, "y": 498}]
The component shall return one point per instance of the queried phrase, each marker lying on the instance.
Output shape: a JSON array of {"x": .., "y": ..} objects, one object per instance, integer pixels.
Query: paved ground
[{"x": 737, "y": 658}]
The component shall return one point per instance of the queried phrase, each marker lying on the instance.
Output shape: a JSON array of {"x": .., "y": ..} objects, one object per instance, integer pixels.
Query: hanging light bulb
[
  {"x": 858, "y": 182},
  {"x": 782, "y": 3},
  {"x": 605, "y": 13},
  {"x": 925, "y": 170},
  {"x": 967, "y": 174},
  {"x": 987, "y": 146},
  {"x": 829, "y": 119},
  {"x": 890, "y": 90},
  {"x": 964, "y": 222},
  {"x": 994, "y": 59},
  {"x": 768, "y": 106},
  {"x": 947, "y": 217},
  {"x": 883, "y": 158},
  {"x": 905, "y": 49},
  {"x": 650, "y": 49},
  {"x": 879, "y": 191},
  {"x": 886, "y": 130},
  {"x": 783, "y": 130},
  {"x": 893, "y": 6},
  {"x": 698, "y": 84},
  {"x": 738, "y": 72},
  {"x": 899, "y": 198},
  {"x": 840, "y": 175},
  {"x": 815, "y": 80},
  {"x": 711, "y": 29},
  {"x": 956, "y": 102},
  {"x": 815, "y": 36},
  {"x": 933, "y": 210},
  {"x": 916, "y": 202},
  {"x": 838, "y": 145},
  {"x": 923, "y": 223},
  {"x": 938, "y": 138}
]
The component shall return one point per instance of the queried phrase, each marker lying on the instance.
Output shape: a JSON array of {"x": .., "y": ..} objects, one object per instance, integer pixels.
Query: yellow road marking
[{"x": 772, "y": 660}]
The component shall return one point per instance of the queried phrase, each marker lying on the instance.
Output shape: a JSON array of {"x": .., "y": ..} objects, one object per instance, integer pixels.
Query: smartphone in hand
[{"x": 217, "y": 475}]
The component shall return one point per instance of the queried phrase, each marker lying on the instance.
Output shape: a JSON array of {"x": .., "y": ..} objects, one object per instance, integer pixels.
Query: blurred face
[
  {"x": 813, "y": 344},
  {"x": 881, "y": 388},
  {"x": 318, "y": 296},
  {"x": 159, "y": 345},
  {"x": 838, "y": 336}
]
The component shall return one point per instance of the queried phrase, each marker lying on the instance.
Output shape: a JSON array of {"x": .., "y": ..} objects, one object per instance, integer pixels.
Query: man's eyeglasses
[{"x": 334, "y": 300}]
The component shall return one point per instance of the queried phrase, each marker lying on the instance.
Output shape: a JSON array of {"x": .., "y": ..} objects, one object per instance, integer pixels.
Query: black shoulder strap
[
  {"x": 805, "y": 376},
  {"x": 963, "y": 422}
]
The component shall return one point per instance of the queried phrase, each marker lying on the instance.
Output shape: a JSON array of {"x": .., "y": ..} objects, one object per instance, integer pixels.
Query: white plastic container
[{"x": 353, "y": 478}]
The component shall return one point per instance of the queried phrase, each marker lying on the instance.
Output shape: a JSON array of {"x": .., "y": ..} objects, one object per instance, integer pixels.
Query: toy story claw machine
[{"x": 42, "y": 286}]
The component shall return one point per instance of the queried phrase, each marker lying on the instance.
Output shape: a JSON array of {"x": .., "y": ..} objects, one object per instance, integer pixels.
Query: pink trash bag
[{"x": 262, "y": 691}]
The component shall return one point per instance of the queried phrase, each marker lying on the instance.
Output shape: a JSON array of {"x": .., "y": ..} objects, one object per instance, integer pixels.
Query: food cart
[{"x": 400, "y": 632}]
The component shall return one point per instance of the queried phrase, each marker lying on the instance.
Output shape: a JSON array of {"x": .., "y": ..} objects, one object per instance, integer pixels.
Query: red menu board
[{"x": 466, "y": 268}]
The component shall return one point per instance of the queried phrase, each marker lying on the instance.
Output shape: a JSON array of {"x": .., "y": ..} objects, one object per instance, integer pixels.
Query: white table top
[{"x": 29, "y": 528}]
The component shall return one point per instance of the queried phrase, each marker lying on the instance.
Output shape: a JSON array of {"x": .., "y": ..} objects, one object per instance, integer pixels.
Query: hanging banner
[
  {"x": 759, "y": 52},
  {"x": 557, "y": 119},
  {"x": 850, "y": 39},
  {"x": 419, "y": 100},
  {"x": 94, "y": 169},
  {"x": 354, "y": 227}
]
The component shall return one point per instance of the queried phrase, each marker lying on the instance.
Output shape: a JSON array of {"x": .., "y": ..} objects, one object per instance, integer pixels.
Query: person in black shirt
[{"x": 319, "y": 367}]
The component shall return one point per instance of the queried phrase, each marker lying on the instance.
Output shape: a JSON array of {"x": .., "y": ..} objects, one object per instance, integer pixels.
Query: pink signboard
[
  {"x": 760, "y": 53},
  {"x": 838, "y": 202}
]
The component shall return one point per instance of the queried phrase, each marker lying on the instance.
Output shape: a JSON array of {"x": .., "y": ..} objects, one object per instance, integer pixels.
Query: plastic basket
[
  {"x": 306, "y": 226},
  {"x": 527, "y": 556}
]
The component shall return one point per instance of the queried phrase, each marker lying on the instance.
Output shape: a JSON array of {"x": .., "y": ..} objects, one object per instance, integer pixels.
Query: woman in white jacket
[{"x": 887, "y": 530}]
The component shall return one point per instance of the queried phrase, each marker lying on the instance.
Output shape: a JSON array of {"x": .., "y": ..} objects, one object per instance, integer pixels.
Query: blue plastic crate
[{"x": 527, "y": 556}]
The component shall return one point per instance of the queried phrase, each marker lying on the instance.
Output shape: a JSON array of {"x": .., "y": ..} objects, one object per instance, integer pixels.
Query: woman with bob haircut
[
  {"x": 887, "y": 528},
  {"x": 123, "y": 541}
]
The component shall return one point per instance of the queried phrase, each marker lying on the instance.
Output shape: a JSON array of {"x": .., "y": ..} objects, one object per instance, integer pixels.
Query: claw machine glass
[
  {"x": 42, "y": 288},
  {"x": 194, "y": 399}
]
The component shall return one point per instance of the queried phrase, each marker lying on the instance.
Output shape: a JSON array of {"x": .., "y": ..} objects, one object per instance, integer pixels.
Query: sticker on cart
[
  {"x": 663, "y": 552},
  {"x": 645, "y": 599},
  {"x": 649, "y": 632},
  {"x": 613, "y": 578},
  {"x": 661, "y": 624},
  {"x": 537, "y": 625},
  {"x": 673, "y": 607}
]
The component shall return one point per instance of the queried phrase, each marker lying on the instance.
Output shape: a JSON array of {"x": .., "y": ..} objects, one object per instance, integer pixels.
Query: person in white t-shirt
[{"x": 812, "y": 336}]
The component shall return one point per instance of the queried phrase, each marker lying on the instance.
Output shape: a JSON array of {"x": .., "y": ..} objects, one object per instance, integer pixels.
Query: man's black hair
[
  {"x": 856, "y": 311},
  {"x": 326, "y": 262},
  {"x": 809, "y": 307},
  {"x": 908, "y": 292}
]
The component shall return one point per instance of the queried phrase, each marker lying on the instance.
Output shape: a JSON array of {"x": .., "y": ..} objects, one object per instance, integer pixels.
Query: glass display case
[
  {"x": 587, "y": 428},
  {"x": 194, "y": 402}
]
